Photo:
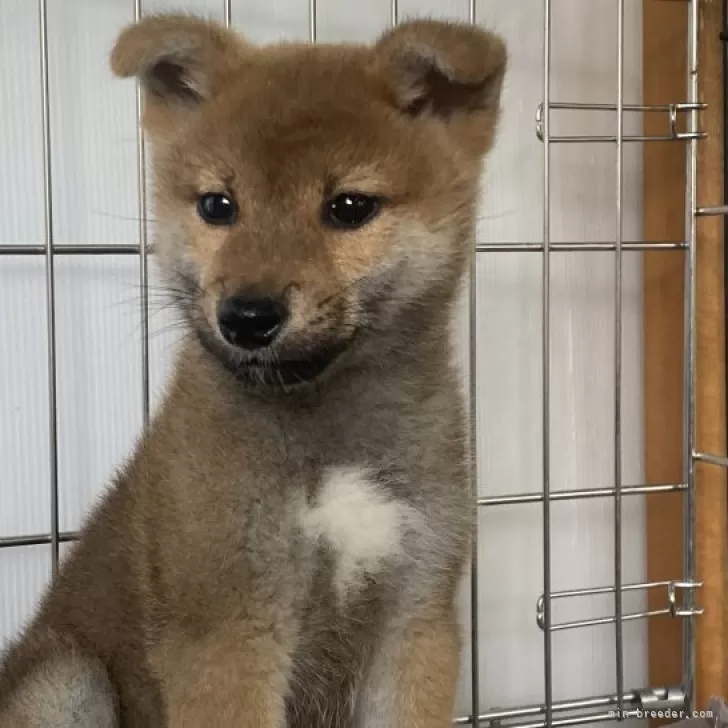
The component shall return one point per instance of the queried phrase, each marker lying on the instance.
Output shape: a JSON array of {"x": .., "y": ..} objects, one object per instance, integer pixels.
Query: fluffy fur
[{"x": 284, "y": 546}]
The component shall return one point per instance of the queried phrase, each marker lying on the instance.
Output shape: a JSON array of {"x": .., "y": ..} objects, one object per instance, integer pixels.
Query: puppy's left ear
[{"x": 451, "y": 71}]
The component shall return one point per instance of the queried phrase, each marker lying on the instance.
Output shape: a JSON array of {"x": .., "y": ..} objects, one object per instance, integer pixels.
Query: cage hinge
[{"x": 653, "y": 700}]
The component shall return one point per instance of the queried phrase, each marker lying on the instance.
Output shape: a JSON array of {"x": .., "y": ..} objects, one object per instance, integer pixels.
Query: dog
[{"x": 285, "y": 545}]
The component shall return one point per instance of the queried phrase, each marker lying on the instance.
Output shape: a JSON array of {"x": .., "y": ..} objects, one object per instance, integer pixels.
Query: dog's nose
[{"x": 250, "y": 323}]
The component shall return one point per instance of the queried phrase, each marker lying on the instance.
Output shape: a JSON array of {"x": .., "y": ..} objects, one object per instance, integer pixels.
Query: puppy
[{"x": 284, "y": 546}]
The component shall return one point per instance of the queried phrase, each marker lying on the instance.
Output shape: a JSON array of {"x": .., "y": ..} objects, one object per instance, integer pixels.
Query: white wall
[{"x": 99, "y": 371}]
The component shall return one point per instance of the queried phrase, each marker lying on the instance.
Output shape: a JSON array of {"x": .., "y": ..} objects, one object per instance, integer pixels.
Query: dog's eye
[
  {"x": 350, "y": 210},
  {"x": 217, "y": 209}
]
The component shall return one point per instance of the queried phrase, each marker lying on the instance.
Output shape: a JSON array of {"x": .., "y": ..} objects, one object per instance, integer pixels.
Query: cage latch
[
  {"x": 676, "y": 610},
  {"x": 673, "y": 113},
  {"x": 684, "y": 606},
  {"x": 653, "y": 700}
]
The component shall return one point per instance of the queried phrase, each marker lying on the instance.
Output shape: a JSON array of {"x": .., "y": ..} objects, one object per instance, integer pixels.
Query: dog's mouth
[
  {"x": 276, "y": 369},
  {"x": 289, "y": 372}
]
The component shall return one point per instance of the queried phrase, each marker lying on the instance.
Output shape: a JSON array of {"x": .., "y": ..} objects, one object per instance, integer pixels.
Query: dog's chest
[
  {"x": 359, "y": 525},
  {"x": 359, "y": 535}
]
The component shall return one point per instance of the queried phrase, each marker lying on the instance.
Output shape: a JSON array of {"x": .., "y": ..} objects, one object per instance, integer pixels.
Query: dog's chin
[{"x": 281, "y": 370}]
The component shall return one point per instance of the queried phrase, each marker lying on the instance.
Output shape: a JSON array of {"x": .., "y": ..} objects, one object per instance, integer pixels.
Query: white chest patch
[{"x": 360, "y": 521}]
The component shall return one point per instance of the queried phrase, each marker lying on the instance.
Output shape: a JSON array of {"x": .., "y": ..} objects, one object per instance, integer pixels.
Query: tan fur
[
  {"x": 430, "y": 666},
  {"x": 284, "y": 550},
  {"x": 208, "y": 678}
]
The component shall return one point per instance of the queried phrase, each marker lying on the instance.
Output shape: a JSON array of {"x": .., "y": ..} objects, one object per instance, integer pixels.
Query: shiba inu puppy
[{"x": 283, "y": 549}]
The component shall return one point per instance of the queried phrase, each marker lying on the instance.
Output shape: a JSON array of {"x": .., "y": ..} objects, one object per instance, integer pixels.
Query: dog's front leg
[
  {"x": 413, "y": 677},
  {"x": 429, "y": 666},
  {"x": 225, "y": 680}
]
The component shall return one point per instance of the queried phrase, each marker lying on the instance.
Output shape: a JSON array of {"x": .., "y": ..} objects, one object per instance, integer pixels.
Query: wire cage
[{"x": 676, "y": 597}]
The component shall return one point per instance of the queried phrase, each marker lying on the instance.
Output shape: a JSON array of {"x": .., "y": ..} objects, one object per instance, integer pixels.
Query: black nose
[{"x": 250, "y": 323}]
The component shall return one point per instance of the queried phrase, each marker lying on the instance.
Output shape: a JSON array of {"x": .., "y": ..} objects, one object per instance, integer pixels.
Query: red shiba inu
[{"x": 283, "y": 549}]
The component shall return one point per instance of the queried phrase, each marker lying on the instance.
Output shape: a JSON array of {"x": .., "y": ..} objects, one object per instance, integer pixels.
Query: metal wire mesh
[{"x": 680, "y": 593}]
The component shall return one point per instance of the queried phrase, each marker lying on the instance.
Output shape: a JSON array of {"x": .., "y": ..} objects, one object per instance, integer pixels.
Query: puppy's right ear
[
  {"x": 181, "y": 61},
  {"x": 448, "y": 71}
]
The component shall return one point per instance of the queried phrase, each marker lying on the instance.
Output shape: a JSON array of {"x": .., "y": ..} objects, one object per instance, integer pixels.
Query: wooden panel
[
  {"x": 664, "y": 73},
  {"x": 665, "y": 27}
]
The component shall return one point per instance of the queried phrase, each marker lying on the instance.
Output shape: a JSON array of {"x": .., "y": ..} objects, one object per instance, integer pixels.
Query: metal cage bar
[
  {"x": 688, "y": 641},
  {"x": 618, "y": 616},
  {"x": 492, "y": 247},
  {"x": 50, "y": 286},
  {"x": 143, "y": 249},
  {"x": 489, "y": 501},
  {"x": 546, "y": 365},
  {"x": 473, "y": 421},
  {"x": 584, "y": 705},
  {"x": 312, "y": 21}
]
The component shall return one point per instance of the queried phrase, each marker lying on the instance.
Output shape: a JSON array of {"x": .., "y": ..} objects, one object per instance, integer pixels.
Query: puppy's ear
[
  {"x": 181, "y": 61},
  {"x": 451, "y": 71}
]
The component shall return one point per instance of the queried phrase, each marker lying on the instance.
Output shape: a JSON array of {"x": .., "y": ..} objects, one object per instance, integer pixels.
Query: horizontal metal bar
[
  {"x": 61, "y": 249},
  {"x": 706, "y": 457},
  {"x": 560, "y": 495},
  {"x": 712, "y": 211},
  {"x": 572, "y": 247},
  {"x": 38, "y": 539},
  {"x": 560, "y": 706},
  {"x": 586, "y": 719},
  {"x": 575, "y": 247},
  {"x": 629, "y": 107},
  {"x": 597, "y": 621},
  {"x": 592, "y": 591},
  {"x": 595, "y": 139}
]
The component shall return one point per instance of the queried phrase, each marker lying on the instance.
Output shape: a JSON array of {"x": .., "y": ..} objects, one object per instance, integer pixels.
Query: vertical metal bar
[
  {"x": 50, "y": 285},
  {"x": 688, "y": 635},
  {"x": 312, "y": 20},
  {"x": 473, "y": 384},
  {"x": 227, "y": 12},
  {"x": 395, "y": 12},
  {"x": 143, "y": 236},
  {"x": 546, "y": 365},
  {"x": 618, "y": 625}
]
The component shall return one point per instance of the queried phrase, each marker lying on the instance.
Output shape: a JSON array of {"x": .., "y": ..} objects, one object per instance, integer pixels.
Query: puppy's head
[{"x": 313, "y": 198}]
